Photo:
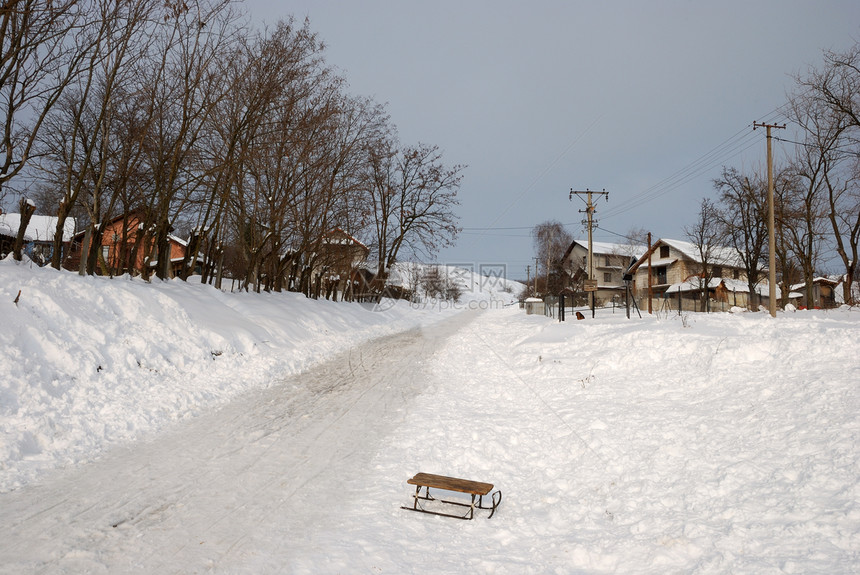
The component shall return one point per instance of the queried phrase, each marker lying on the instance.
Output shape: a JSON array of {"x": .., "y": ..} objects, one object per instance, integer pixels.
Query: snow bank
[{"x": 88, "y": 362}]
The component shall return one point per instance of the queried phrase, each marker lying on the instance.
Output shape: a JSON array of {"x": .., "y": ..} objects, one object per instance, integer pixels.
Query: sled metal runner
[{"x": 474, "y": 488}]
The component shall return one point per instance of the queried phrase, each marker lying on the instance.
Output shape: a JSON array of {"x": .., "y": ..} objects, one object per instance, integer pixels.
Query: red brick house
[{"x": 117, "y": 245}]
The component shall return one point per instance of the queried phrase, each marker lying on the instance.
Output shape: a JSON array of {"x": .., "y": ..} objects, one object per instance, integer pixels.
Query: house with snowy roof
[
  {"x": 826, "y": 292},
  {"x": 116, "y": 252},
  {"x": 340, "y": 255},
  {"x": 611, "y": 262},
  {"x": 38, "y": 237},
  {"x": 676, "y": 273},
  {"x": 723, "y": 293}
]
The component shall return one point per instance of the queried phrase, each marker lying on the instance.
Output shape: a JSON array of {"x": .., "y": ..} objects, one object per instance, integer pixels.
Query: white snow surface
[{"x": 172, "y": 428}]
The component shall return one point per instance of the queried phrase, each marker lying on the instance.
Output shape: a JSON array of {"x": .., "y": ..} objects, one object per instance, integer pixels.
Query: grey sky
[{"x": 647, "y": 100}]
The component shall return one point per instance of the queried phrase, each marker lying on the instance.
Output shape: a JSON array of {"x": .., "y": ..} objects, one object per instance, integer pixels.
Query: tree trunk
[
  {"x": 57, "y": 254},
  {"x": 219, "y": 274},
  {"x": 85, "y": 251},
  {"x": 26, "y": 208}
]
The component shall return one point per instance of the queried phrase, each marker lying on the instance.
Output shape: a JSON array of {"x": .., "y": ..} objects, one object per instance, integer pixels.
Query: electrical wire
[{"x": 733, "y": 146}]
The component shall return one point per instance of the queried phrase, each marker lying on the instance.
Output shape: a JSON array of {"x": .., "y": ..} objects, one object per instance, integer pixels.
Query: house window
[
  {"x": 664, "y": 251},
  {"x": 736, "y": 274},
  {"x": 607, "y": 261},
  {"x": 661, "y": 276},
  {"x": 607, "y": 277},
  {"x": 716, "y": 272},
  {"x": 106, "y": 252}
]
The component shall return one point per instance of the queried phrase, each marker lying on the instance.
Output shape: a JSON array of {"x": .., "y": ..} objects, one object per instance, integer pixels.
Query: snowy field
[{"x": 265, "y": 433}]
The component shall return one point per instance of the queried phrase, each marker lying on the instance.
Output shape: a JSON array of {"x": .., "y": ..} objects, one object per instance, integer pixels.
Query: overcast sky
[{"x": 647, "y": 100}]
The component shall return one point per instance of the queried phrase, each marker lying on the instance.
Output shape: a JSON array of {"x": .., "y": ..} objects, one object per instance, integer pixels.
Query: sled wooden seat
[{"x": 473, "y": 488}]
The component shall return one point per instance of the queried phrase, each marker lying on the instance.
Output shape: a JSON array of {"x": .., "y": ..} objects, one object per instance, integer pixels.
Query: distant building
[
  {"x": 116, "y": 253},
  {"x": 611, "y": 263},
  {"x": 38, "y": 237},
  {"x": 677, "y": 270},
  {"x": 826, "y": 292},
  {"x": 340, "y": 255}
]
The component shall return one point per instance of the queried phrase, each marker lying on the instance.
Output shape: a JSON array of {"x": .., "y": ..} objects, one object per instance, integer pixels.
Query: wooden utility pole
[
  {"x": 589, "y": 211},
  {"x": 770, "y": 221},
  {"x": 650, "y": 283},
  {"x": 548, "y": 260}
]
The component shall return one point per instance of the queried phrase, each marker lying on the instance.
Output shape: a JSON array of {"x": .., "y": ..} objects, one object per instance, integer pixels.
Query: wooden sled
[{"x": 473, "y": 488}]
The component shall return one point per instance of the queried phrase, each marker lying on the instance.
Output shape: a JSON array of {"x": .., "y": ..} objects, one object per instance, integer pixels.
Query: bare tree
[
  {"x": 803, "y": 216},
  {"x": 186, "y": 85},
  {"x": 706, "y": 235},
  {"x": 413, "y": 196},
  {"x": 79, "y": 144},
  {"x": 284, "y": 200},
  {"x": 743, "y": 216},
  {"x": 811, "y": 176},
  {"x": 381, "y": 184},
  {"x": 251, "y": 136},
  {"x": 43, "y": 44},
  {"x": 169, "y": 115},
  {"x": 246, "y": 144},
  {"x": 787, "y": 268},
  {"x": 827, "y": 107},
  {"x": 551, "y": 240}
]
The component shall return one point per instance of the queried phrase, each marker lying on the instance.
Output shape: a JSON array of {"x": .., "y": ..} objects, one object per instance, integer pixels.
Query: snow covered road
[
  {"x": 241, "y": 489},
  {"x": 702, "y": 443}
]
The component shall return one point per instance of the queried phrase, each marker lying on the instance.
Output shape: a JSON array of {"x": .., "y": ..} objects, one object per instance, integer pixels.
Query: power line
[
  {"x": 734, "y": 145},
  {"x": 708, "y": 161},
  {"x": 841, "y": 149},
  {"x": 487, "y": 229},
  {"x": 626, "y": 237},
  {"x": 491, "y": 235},
  {"x": 547, "y": 169}
]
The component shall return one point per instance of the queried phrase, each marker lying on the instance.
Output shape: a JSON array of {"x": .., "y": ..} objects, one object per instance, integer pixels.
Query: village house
[
  {"x": 723, "y": 294},
  {"x": 826, "y": 292},
  {"x": 676, "y": 272},
  {"x": 38, "y": 237},
  {"x": 340, "y": 255},
  {"x": 611, "y": 262},
  {"x": 116, "y": 248}
]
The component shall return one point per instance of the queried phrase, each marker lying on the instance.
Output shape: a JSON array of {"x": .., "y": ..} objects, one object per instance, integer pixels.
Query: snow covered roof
[
  {"x": 338, "y": 236},
  {"x": 178, "y": 240},
  {"x": 692, "y": 284},
  {"x": 608, "y": 248},
  {"x": 40, "y": 228},
  {"x": 820, "y": 279},
  {"x": 733, "y": 285},
  {"x": 661, "y": 262},
  {"x": 719, "y": 255}
]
